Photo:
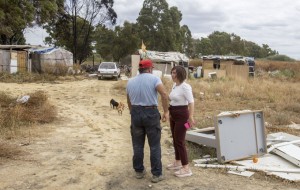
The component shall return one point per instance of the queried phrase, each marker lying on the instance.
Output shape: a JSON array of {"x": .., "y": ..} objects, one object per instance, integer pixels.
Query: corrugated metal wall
[{"x": 4, "y": 61}]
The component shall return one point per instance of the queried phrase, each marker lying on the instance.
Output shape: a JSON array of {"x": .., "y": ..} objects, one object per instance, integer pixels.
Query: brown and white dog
[{"x": 120, "y": 108}]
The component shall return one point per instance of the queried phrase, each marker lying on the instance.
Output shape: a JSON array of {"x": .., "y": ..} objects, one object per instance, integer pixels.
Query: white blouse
[{"x": 181, "y": 95}]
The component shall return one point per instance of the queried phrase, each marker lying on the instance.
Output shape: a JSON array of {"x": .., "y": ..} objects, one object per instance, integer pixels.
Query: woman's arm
[{"x": 191, "y": 112}]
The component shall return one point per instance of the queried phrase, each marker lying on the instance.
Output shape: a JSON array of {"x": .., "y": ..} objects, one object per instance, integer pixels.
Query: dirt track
[{"x": 89, "y": 147}]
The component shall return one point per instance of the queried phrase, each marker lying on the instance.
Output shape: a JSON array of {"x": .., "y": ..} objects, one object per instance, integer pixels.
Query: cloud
[
  {"x": 35, "y": 36},
  {"x": 272, "y": 22}
]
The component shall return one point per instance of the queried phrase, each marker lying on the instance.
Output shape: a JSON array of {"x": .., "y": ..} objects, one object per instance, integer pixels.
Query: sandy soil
[{"x": 89, "y": 147}]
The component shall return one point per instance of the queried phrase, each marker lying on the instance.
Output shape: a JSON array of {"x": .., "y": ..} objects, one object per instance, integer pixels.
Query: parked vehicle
[{"x": 108, "y": 70}]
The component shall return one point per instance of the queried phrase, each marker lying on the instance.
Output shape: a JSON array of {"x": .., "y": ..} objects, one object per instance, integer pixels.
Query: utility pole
[{"x": 74, "y": 12}]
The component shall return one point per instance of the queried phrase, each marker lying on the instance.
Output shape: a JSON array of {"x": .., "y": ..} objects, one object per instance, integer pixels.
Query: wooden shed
[
  {"x": 14, "y": 58},
  {"x": 18, "y": 58},
  {"x": 224, "y": 67}
]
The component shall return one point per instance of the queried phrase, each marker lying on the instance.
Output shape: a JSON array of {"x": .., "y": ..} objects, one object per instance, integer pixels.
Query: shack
[
  {"x": 51, "y": 60},
  {"x": 225, "y": 66},
  {"x": 163, "y": 61},
  {"x": 30, "y": 58},
  {"x": 14, "y": 58}
]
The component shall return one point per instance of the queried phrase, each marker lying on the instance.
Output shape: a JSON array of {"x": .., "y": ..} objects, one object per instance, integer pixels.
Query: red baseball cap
[{"x": 146, "y": 63}]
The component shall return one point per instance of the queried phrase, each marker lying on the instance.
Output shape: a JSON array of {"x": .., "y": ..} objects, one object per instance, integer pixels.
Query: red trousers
[{"x": 179, "y": 115}]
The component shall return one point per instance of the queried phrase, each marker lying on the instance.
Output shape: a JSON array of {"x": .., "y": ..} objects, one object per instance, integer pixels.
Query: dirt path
[{"x": 89, "y": 147}]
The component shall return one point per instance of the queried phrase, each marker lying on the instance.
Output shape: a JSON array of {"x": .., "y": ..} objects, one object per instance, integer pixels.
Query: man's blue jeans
[{"x": 146, "y": 122}]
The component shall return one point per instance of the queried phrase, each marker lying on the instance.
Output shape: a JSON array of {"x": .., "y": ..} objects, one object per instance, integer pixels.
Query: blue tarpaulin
[{"x": 43, "y": 51}]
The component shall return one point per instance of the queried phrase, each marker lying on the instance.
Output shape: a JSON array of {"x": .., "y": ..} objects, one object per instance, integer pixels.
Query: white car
[{"x": 108, "y": 70}]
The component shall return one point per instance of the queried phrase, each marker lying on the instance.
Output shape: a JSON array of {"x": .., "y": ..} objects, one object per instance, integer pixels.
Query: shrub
[
  {"x": 14, "y": 115},
  {"x": 57, "y": 69},
  {"x": 279, "y": 58}
]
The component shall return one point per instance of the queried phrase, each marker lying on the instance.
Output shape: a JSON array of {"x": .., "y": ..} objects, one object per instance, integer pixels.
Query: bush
[
  {"x": 279, "y": 58},
  {"x": 14, "y": 115}
]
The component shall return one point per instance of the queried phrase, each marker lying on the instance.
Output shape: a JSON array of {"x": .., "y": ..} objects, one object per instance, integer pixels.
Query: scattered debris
[
  {"x": 282, "y": 144},
  {"x": 289, "y": 152},
  {"x": 205, "y": 160},
  {"x": 241, "y": 135},
  {"x": 23, "y": 144},
  {"x": 92, "y": 75},
  {"x": 250, "y": 167},
  {"x": 24, "y": 99},
  {"x": 242, "y": 173},
  {"x": 294, "y": 126}
]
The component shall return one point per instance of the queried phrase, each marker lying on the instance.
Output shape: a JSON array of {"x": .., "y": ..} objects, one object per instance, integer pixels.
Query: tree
[
  {"x": 237, "y": 46},
  {"x": 115, "y": 44},
  {"x": 126, "y": 41},
  {"x": 90, "y": 13},
  {"x": 159, "y": 26},
  {"x": 203, "y": 47},
  {"x": 187, "y": 42},
  {"x": 252, "y": 49},
  {"x": 222, "y": 43},
  {"x": 181, "y": 35},
  {"x": 63, "y": 36},
  {"x": 266, "y": 51},
  {"x": 105, "y": 42},
  {"x": 16, "y": 15}
]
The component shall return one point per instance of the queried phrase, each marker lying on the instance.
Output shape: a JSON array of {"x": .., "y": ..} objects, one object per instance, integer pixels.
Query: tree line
[{"x": 82, "y": 26}]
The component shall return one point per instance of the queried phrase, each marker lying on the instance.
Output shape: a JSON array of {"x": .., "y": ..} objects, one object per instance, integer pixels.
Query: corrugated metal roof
[
  {"x": 18, "y": 47},
  {"x": 164, "y": 56},
  {"x": 42, "y": 50}
]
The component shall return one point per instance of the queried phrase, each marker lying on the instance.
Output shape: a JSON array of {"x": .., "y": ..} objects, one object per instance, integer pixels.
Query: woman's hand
[
  {"x": 165, "y": 117},
  {"x": 192, "y": 121}
]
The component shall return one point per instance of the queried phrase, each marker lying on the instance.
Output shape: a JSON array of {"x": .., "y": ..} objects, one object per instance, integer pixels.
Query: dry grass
[
  {"x": 278, "y": 65},
  {"x": 17, "y": 121},
  {"x": 56, "y": 69},
  {"x": 14, "y": 116},
  {"x": 278, "y": 100},
  {"x": 279, "y": 70},
  {"x": 24, "y": 77},
  {"x": 277, "y": 96}
]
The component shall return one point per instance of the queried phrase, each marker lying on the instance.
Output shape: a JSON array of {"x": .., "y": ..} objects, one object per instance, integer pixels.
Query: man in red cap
[
  {"x": 146, "y": 63},
  {"x": 142, "y": 98}
]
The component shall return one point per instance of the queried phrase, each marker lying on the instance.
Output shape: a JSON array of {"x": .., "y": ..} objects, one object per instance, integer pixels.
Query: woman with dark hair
[{"x": 181, "y": 118}]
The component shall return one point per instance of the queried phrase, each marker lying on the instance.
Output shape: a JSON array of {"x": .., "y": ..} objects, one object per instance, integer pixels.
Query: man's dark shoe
[
  {"x": 156, "y": 179},
  {"x": 140, "y": 175}
]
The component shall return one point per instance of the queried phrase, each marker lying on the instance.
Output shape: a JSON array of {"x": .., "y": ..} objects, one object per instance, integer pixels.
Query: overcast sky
[{"x": 272, "y": 22}]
